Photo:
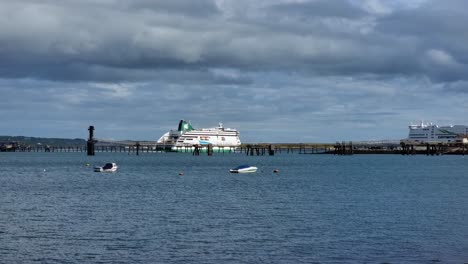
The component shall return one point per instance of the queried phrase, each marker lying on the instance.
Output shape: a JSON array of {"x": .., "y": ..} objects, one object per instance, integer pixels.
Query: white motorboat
[
  {"x": 243, "y": 169},
  {"x": 109, "y": 167}
]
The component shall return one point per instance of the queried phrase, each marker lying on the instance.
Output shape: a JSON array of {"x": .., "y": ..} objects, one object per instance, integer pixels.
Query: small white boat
[
  {"x": 243, "y": 169},
  {"x": 109, "y": 167}
]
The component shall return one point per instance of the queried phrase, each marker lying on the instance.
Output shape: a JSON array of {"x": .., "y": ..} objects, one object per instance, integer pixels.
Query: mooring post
[
  {"x": 209, "y": 150},
  {"x": 271, "y": 151},
  {"x": 137, "y": 148},
  {"x": 196, "y": 150},
  {"x": 90, "y": 143}
]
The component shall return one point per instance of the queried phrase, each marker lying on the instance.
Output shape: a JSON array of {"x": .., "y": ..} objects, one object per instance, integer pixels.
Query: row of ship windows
[
  {"x": 204, "y": 137},
  {"x": 211, "y": 135},
  {"x": 427, "y": 129},
  {"x": 425, "y": 135},
  {"x": 192, "y": 138},
  {"x": 433, "y": 137}
]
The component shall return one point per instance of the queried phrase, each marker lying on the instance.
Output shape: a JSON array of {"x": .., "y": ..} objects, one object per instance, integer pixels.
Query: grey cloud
[
  {"x": 311, "y": 9},
  {"x": 434, "y": 19},
  {"x": 436, "y": 26},
  {"x": 275, "y": 63},
  {"x": 190, "y": 8},
  {"x": 52, "y": 41},
  {"x": 329, "y": 107},
  {"x": 457, "y": 87}
]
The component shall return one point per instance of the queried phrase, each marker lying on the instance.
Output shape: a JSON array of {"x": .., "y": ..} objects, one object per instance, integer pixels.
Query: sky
[{"x": 277, "y": 70}]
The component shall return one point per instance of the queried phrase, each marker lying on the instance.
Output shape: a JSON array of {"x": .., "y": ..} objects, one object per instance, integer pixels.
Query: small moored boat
[
  {"x": 109, "y": 167},
  {"x": 243, "y": 169}
]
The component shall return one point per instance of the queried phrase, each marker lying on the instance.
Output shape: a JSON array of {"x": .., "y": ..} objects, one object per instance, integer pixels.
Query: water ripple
[{"x": 318, "y": 209}]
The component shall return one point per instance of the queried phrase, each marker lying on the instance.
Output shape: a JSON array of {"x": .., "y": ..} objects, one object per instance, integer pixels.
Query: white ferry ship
[
  {"x": 431, "y": 133},
  {"x": 186, "y": 137}
]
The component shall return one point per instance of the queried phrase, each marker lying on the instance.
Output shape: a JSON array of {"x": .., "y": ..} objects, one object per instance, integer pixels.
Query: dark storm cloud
[
  {"x": 436, "y": 33},
  {"x": 96, "y": 73},
  {"x": 121, "y": 40}
]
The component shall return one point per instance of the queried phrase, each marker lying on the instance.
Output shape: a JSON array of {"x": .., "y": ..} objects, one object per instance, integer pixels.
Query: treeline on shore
[{"x": 34, "y": 141}]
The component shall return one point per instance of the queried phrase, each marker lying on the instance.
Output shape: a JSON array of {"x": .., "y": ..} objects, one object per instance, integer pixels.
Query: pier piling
[
  {"x": 137, "y": 148},
  {"x": 271, "y": 151},
  {"x": 196, "y": 150},
  {"x": 209, "y": 150}
]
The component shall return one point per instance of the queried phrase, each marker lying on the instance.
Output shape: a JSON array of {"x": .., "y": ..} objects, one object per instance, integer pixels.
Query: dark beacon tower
[{"x": 90, "y": 143}]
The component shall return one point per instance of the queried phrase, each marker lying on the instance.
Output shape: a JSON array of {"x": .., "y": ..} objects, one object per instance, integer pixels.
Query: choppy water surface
[{"x": 317, "y": 209}]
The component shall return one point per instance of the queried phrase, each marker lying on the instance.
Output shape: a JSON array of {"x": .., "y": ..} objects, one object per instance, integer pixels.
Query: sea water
[{"x": 179, "y": 208}]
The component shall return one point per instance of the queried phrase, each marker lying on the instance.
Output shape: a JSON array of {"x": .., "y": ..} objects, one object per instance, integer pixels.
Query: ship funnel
[{"x": 184, "y": 126}]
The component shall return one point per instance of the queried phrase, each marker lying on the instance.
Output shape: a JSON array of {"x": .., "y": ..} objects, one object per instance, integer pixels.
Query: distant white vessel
[
  {"x": 109, "y": 167},
  {"x": 244, "y": 169},
  {"x": 187, "y": 137},
  {"x": 431, "y": 133}
]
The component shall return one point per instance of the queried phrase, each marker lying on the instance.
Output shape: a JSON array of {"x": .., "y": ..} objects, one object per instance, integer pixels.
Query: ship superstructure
[
  {"x": 186, "y": 136},
  {"x": 431, "y": 133}
]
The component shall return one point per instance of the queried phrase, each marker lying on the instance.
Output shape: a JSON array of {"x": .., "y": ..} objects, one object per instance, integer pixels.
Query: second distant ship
[
  {"x": 431, "y": 133},
  {"x": 186, "y": 137}
]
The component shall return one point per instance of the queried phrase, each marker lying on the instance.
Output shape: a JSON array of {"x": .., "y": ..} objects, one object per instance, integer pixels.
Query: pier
[
  {"x": 344, "y": 148},
  {"x": 433, "y": 149}
]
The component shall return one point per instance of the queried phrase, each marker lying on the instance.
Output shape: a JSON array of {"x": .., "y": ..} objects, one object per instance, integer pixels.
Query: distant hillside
[{"x": 33, "y": 141}]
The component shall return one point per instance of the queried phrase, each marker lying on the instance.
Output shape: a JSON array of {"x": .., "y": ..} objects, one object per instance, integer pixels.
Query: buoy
[
  {"x": 87, "y": 164},
  {"x": 44, "y": 170},
  {"x": 275, "y": 170},
  {"x": 181, "y": 173}
]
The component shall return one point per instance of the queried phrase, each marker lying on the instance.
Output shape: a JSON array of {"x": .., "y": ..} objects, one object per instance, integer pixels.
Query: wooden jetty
[
  {"x": 343, "y": 148},
  {"x": 92, "y": 145},
  {"x": 339, "y": 148},
  {"x": 408, "y": 148}
]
